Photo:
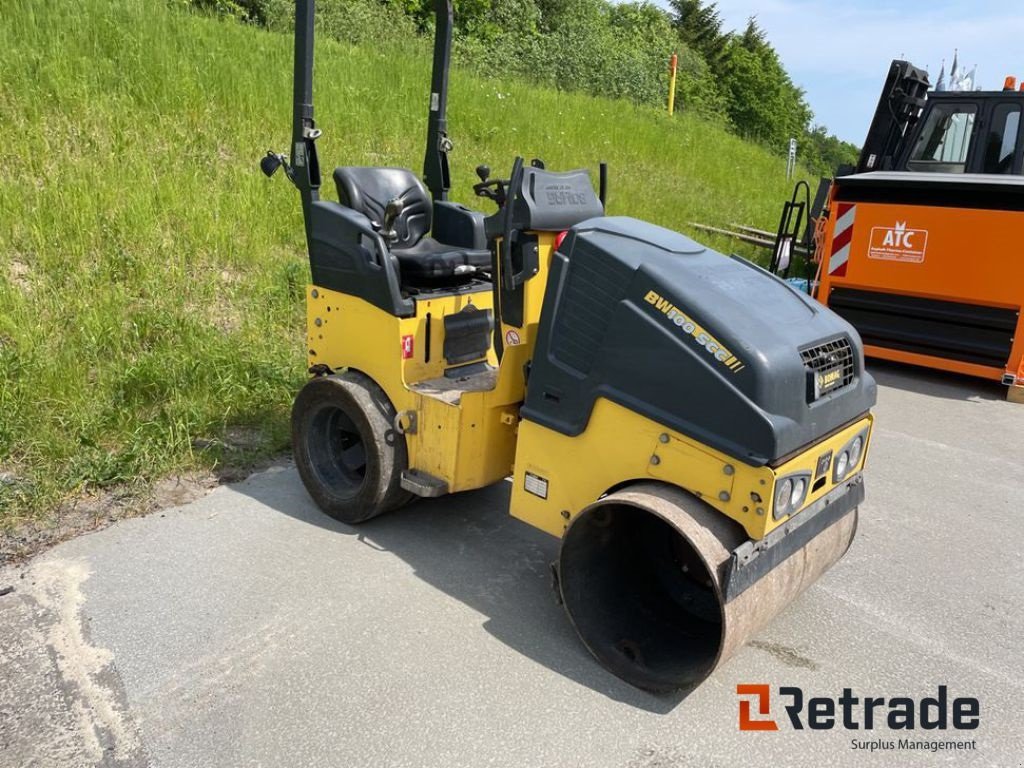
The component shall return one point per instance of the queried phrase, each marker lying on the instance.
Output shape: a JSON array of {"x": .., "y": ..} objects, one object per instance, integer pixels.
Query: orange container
[{"x": 930, "y": 269}]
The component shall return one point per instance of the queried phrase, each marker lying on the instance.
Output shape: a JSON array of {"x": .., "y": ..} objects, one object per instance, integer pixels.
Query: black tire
[{"x": 348, "y": 454}]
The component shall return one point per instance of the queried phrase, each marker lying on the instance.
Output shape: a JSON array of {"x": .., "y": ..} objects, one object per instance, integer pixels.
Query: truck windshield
[{"x": 945, "y": 139}]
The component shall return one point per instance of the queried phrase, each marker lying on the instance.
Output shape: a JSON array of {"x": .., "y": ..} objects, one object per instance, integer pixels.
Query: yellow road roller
[{"x": 692, "y": 428}]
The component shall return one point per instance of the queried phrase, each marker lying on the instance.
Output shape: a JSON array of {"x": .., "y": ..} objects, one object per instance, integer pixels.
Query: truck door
[
  {"x": 943, "y": 144},
  {"x": 999, "y": 151}
]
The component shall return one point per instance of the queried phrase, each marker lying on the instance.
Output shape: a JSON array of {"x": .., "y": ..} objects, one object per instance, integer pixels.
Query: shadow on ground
[
  {"x": 467, "y": 546},
  {"x": 925, "y": 381}
]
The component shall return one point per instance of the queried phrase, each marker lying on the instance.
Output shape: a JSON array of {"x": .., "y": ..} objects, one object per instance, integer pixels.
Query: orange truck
[{"x": 921, "y": 246}]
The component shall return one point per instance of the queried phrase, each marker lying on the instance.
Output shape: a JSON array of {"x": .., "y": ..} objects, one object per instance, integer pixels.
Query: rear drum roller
[
  {"x": 347, "y": 451},
  {"x": 642, "y": 575}
]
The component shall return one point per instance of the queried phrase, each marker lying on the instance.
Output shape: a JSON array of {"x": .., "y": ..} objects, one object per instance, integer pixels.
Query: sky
[{"x": 839, "y": 52}]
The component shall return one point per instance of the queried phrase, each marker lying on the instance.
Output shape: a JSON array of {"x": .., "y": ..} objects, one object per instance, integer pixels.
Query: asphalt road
[{"x": 246, "y": 629}]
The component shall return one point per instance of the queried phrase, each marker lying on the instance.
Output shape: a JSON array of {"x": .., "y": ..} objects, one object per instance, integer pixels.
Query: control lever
[
  {"x": 392, "y": 211},
  {"x": 492, "y": 189}
]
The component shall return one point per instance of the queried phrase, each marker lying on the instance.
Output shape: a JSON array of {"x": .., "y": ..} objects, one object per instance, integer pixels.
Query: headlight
[
  {"x": 799, "y": 491},
  {"x": 784, "y": 497},
  {"x": 842, "y": 464},
  {"x": 855, "y": 449},
  {"x": 790, "y": 494},
  {"x": 849, "y": 457}
]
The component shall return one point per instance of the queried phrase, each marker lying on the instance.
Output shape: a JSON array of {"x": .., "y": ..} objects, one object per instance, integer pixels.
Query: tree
[
  {"x": 700, "y": 27},
  {"x": 824, "y": 153},
  {"x": 763, "y": 103},
  {"x": 754, "y": 38}
]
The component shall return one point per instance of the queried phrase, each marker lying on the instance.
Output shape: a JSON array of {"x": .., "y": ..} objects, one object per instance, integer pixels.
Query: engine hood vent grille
[{"x": 829, "y": 367}]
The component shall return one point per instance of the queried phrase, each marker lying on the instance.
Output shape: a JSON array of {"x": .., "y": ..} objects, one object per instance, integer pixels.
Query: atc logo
[
  {"x": 898, "y": 243},
  {"x": 762, "y": 698}
]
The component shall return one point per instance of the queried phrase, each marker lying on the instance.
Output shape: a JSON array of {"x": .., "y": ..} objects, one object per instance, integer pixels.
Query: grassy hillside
[{"x": 151, "y": 279}]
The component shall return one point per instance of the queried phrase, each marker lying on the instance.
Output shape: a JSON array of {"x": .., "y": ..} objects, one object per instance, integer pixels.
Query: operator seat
[{"x": 422, "y": 260}]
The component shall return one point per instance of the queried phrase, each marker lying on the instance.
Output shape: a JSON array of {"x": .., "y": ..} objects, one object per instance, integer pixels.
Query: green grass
[{"x": 151, "y": 279}]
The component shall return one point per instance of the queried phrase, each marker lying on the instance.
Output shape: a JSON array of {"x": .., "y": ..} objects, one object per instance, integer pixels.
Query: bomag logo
[
  {"x": 829, "y": 379},
  {"x": 564, "y": 194},
  {"x": 898, "y": 243},
  {"x": 690, "y": 327}
]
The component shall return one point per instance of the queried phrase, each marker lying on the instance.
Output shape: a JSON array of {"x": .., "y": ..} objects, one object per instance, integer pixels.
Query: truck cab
[
  {"x": 919, "y": 130},
  {"x": 972, "y": 132}
]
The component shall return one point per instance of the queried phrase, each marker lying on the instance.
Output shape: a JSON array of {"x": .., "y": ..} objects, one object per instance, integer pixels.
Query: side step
[{"x": 421, "y": 484}]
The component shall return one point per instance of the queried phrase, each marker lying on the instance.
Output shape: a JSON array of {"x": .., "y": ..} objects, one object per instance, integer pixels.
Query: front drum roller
[
  {"x": 642, "y": 574},
  {"x": 347, "y": 451}
]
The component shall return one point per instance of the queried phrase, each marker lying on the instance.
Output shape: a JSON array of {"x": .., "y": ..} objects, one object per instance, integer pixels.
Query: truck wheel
[{"x": 348, "y": 454}]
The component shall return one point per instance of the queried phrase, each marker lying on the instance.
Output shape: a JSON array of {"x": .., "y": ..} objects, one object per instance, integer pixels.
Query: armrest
[
  {"x": 455, "y": 224},
  {"x": 344, "y": 242},
  {"x": 347, "y": 223}
]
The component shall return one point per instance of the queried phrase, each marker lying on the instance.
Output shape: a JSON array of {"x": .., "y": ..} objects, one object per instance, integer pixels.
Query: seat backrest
[{"x": 368, "y": 191}]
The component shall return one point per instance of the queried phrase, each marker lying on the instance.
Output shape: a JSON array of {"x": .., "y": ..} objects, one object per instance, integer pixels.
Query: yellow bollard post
[{"x": 672, "y": 84}]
